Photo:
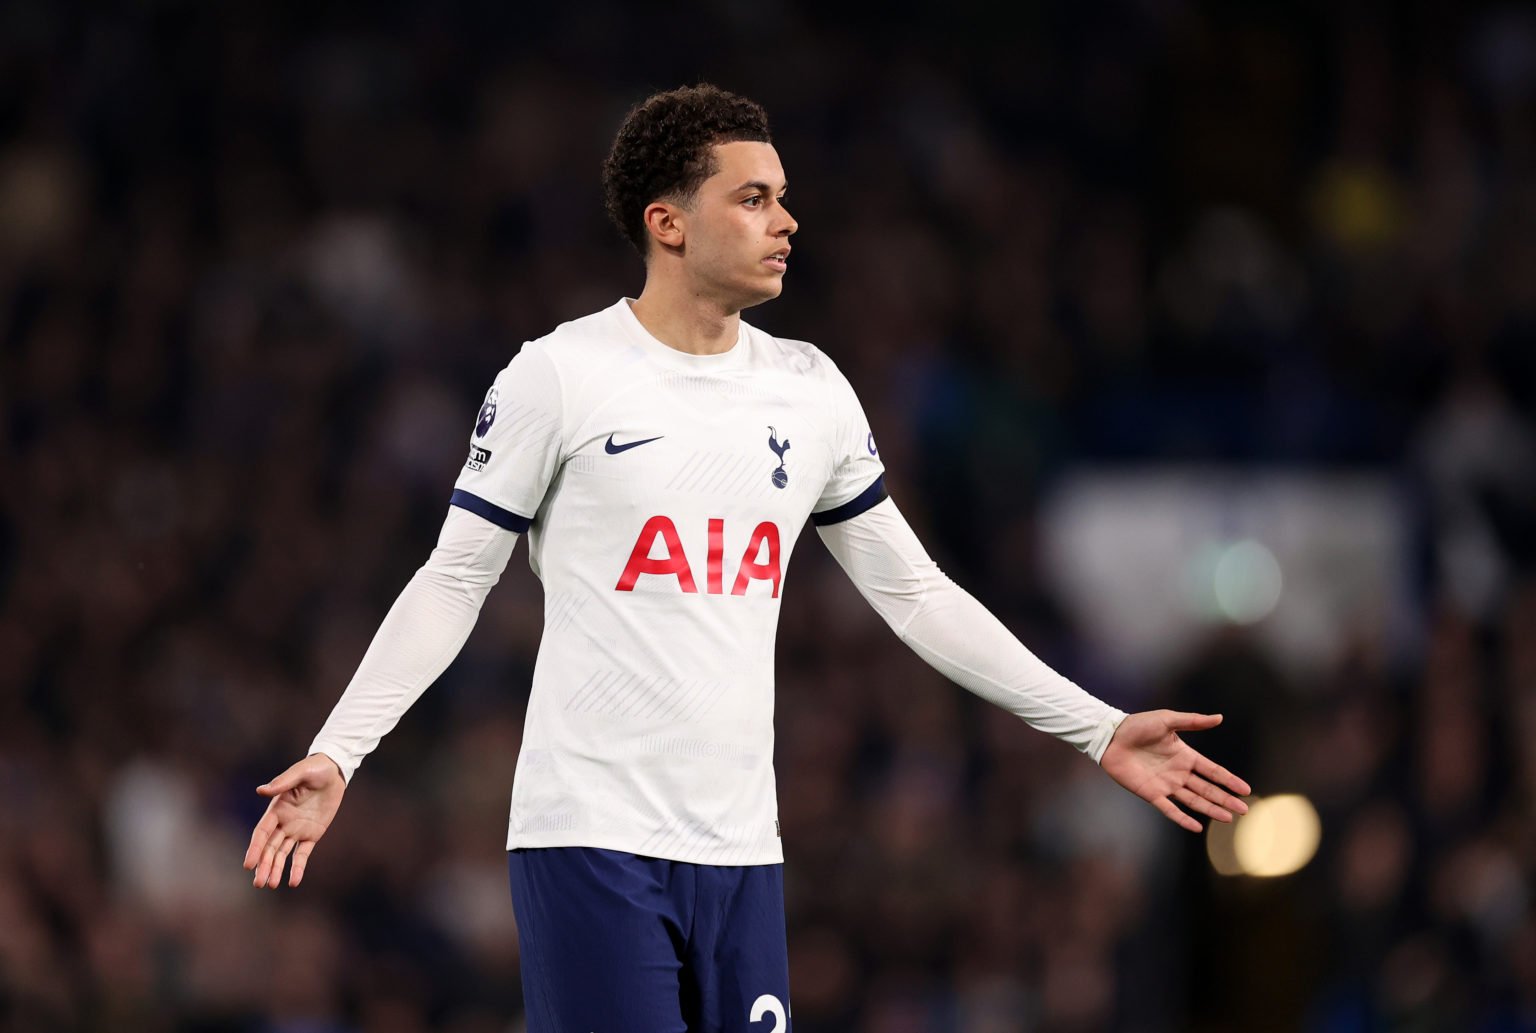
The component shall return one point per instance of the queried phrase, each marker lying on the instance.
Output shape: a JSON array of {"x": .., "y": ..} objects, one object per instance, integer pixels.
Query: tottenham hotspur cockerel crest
[{"x": 780, "y": 477}]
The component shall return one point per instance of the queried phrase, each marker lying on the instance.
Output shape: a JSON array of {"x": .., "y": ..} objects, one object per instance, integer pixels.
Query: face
[{"x": 734, "y": 236}]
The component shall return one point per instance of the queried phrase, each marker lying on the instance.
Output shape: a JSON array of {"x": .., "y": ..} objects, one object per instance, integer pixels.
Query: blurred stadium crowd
[{"x": 259, "y": 262}]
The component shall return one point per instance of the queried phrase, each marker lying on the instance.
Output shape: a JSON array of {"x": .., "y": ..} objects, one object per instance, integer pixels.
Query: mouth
[{"x": 779, "y": 260}]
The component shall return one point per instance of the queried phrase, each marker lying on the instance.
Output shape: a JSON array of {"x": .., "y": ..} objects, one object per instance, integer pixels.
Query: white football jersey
[{"x": 662, "y": 494}]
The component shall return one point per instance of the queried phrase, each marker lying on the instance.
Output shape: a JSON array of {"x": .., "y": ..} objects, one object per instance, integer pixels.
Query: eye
[{"x": 754, "y": 201}]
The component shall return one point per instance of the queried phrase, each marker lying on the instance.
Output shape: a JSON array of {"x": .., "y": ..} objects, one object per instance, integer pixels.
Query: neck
[{"x": 685, "y": 319}]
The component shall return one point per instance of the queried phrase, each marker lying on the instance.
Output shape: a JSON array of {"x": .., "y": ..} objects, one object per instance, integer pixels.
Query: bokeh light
[
  {"x": 1247, "y": 582},
  {"x": 1235, "y": 582},
  {"x": 1278, "y": 836}
]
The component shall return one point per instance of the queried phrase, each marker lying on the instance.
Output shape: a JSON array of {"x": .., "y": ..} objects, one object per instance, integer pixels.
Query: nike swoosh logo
[{"x": 614, "y": 450}]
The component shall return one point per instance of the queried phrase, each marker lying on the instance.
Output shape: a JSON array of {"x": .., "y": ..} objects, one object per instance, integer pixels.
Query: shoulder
[
  {"x": 797, "y": 358},
  {"x": 808, "y": 364},
  {"x": 583, "y": 344}
]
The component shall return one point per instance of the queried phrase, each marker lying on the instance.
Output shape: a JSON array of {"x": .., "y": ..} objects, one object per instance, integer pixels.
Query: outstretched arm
[
  {"x": 421, "y": 635},
  {"x": 961, "y": 639}
]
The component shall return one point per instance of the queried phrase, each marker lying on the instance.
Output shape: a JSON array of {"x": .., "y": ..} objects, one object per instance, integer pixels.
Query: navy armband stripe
[
  {"x": 867, "y": 499},
  {"x": 503, "y": 518}
]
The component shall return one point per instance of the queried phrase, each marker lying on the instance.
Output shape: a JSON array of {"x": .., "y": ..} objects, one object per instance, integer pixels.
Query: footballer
[{"x": 661, "y": 457}]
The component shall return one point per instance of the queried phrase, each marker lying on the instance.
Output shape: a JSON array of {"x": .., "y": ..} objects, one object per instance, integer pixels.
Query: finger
[
  {"x": 1183, "y": 722},
  {"x": 1200, "y": 805},
  {"x": 268, "y": 853},
  {"x": 262, "y": 863},
  {"x": 300, "y": 862},
  {"x": 279, "y": 855},
  {"x": 1215, "y": 794},
  {"x": 258, "y": 843},
  {"x": 275, "y": 869},
  {"x": 1216, "y": 773},
  {"x": 278, "y": 862},
  {"x": 1175, "y": 815},
  {"x": 260, "y": 836}
]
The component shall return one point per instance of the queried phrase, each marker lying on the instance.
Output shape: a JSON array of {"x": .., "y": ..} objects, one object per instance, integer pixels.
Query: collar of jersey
[{"x": 735, "y": 356}]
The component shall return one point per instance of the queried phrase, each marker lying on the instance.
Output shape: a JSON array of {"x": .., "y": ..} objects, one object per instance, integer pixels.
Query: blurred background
[{"x": 1200, "y": 343}]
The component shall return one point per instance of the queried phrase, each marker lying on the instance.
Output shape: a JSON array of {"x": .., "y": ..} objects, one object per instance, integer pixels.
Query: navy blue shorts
[{"x": 617, "y": 943}]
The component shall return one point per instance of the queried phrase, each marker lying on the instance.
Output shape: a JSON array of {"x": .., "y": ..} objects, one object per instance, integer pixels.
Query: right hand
[{"x": 304, "y": 800}]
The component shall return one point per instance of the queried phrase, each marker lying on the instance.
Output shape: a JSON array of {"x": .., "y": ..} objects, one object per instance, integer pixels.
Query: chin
[
  {"x": 772, "y": 288},
  {"x": 748, "y": 300}
]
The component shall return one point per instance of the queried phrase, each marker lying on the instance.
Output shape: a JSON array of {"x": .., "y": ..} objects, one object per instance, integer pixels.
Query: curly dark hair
[{"x": 664, "y": 151}]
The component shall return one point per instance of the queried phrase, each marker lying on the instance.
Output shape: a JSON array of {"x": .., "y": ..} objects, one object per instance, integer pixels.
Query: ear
[{"x": 665, "y": 221}]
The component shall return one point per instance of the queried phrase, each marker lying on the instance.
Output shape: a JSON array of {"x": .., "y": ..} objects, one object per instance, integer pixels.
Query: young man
[{"x": 661, "y": 456}]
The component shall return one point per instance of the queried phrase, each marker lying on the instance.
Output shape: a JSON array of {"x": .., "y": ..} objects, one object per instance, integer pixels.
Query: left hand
[
  {"x": 1147, "y": 756},
  {"x": 304, "y": 802}
]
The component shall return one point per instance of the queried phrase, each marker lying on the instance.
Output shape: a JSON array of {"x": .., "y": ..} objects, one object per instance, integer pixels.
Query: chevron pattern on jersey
[
  {"x": 562, "y": 609},
  {"x": 530, "y": 427},
  {"x": 725, "y": 473},
  {"x": 651, "y": 697}
]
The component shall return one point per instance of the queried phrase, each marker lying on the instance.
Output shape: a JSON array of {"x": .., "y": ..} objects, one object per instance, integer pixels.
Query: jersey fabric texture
[
  {"x": 614, "y": 943},
  {"x": 662, "y": 494}
]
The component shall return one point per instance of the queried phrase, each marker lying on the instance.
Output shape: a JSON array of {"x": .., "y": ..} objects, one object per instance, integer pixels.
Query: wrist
[
  {"x": 1109, "y": 731},
  {"x": 335, "y": 766}
]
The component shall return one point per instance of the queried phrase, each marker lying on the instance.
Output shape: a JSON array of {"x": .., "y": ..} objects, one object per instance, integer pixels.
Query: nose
[{"x": 787, "y": 223}]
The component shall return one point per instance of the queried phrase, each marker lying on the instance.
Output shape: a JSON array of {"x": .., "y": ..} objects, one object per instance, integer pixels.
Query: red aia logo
[{"x": 675, "y": 562}]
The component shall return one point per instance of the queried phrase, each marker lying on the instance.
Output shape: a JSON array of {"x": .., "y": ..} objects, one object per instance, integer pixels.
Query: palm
[
  {"x": 1147, "y": 757},
  {"x": 303, "y": 813},
  {"x": 305, "y": 799}
]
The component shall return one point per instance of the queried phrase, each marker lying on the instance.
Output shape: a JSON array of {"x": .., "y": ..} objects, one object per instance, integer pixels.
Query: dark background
[{"x": 258, "y": 263}]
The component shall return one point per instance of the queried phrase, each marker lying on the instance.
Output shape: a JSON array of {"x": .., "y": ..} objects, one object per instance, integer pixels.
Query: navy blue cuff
[
  {"x": 867, "y": 499},
  {"x": 504, "y": 518}
]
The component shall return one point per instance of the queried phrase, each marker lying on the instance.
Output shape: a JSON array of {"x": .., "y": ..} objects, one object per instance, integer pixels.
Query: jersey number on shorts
[{"x": 768, "y": 1006}]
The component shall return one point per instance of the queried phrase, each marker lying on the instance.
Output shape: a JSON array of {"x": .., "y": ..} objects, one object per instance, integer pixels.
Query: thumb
[
  {"x": 1182, "y": 722},
  {"x": 290, "y": 779}
]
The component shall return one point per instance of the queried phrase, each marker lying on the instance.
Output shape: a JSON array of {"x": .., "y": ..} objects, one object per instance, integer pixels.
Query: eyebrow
[{"x": 759, "y": 186}]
